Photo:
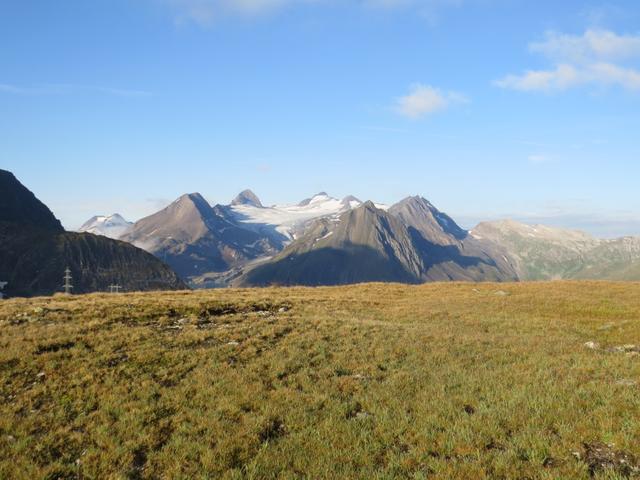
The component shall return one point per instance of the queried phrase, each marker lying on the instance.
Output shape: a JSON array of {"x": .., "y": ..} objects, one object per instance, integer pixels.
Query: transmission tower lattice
[{"x": 67, "y": 281}]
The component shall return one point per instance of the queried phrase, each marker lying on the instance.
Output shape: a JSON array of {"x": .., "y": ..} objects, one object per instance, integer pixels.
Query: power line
[{"x": 114, "y": 288}]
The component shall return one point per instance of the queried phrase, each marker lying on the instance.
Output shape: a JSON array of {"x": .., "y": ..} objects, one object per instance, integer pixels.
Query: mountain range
[
  {"x": 35, "y": 250},
  {"x": 328, "y": 241},
  {"x": 320, "y": 240}
]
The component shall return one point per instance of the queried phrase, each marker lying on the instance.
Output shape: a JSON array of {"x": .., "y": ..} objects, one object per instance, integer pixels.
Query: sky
[{"x": 488, "y": 108}]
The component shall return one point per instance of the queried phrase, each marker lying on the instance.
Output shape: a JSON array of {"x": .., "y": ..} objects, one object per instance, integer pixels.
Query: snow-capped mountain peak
[
  {"x": 111, "y": 226},
  {"x": 286, "y": 219}
]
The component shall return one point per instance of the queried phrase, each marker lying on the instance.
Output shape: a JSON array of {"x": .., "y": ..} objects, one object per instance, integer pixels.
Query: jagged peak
[
  {"x": 247, "y": 197},
  {"x": 195, "y": 196},
  {"x": 309, "y": 200},
  {"x": 349, "y": 199},
  {"x": 415, "y": 200},
  {"x": 192, "y": 200},
  {"x": 370, "y": 206}
]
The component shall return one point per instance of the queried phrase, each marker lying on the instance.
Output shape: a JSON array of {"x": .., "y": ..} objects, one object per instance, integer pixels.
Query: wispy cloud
[
  {"x": 430, "y": 10},
  {"x": 68, "y": 89},
  {"x": 425, "y": 100},
  {"x": 264, "y": 167},
  {"x": 593, "y": 45},
  {"x": 566, "y": 76},
  {"x": 593, "y": 58},
  {"x": 207, "y": 12},
  {"x": 539, "y": 158}
]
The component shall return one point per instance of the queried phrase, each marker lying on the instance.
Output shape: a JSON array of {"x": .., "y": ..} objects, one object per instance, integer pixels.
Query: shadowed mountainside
[
  {"x": 35, "y": 250},
  {"x": 369, "y": 244}
]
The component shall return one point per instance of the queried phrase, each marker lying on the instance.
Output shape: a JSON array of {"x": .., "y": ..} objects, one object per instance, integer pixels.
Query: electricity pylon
[{"x": 67, "y": 281}]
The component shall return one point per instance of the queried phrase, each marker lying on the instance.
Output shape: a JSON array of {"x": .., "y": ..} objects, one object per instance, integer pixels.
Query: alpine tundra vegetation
[{"x": 443, "y": 380}]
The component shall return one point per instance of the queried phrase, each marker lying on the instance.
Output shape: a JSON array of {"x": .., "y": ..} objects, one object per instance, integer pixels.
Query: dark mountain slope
[
  {"x": 435, "y": 226},
  {"x": 365, "y": 245},
  {"x": 33, "y": 262},
  {"x": 449, "y": 252},
  {"x": 35, "y": 250},
  {"x": 19, "y": 205}
]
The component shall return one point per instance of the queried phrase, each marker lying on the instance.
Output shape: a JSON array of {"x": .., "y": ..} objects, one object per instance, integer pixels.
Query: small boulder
[{"x": 625, "y": 382}]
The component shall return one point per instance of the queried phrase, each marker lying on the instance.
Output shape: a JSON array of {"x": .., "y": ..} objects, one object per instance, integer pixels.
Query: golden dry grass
[{"x": 457, "y": 381}]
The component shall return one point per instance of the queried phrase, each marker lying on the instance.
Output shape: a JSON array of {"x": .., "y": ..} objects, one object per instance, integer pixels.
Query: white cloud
[
  {"x": 425, "y": 100},
  {"x": 562, "y": 77},
  {"x": 589, "y": 59}
]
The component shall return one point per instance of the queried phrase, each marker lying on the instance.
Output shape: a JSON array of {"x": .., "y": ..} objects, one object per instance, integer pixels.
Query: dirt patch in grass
[
  {"x": 601, "y": 457},
  {"x": 222, "y": 309},
  {"x": 274, "y": 429},
  {"x": 54, "y": 347},
  {"x": 138, "y": 462}
]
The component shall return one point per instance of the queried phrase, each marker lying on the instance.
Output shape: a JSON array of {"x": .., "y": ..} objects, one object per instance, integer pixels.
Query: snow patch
[
  {"x": 285, "y": 218},
  {"x": 323, "y": 237}
]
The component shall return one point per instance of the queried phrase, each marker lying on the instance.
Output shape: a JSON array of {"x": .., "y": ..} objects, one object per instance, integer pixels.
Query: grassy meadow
[{"x": 443, "y": 381}]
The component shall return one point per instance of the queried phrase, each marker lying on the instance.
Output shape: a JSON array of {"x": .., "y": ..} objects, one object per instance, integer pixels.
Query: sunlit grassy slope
[{"x": 373, "y": 381}]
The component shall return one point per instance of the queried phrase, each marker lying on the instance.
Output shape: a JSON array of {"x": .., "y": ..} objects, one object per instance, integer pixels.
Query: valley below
[{"x": 441, "y": 380}]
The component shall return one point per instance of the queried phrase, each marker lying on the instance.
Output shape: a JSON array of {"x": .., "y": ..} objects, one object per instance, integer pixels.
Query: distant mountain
[
  {"x": 617, "y": 259},
  {"x": 247, "y": 197},
  {"x": 369, "y": 244},
  {"x": 35, "y": 250},
  {"x": 542, "y": 253},
  {"x": 111, "y": 226},
  {"x": 191, "y": 237}
]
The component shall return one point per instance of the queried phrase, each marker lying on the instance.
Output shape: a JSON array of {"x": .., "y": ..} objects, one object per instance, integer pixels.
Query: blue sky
[{"x": 489, "y": 108}]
